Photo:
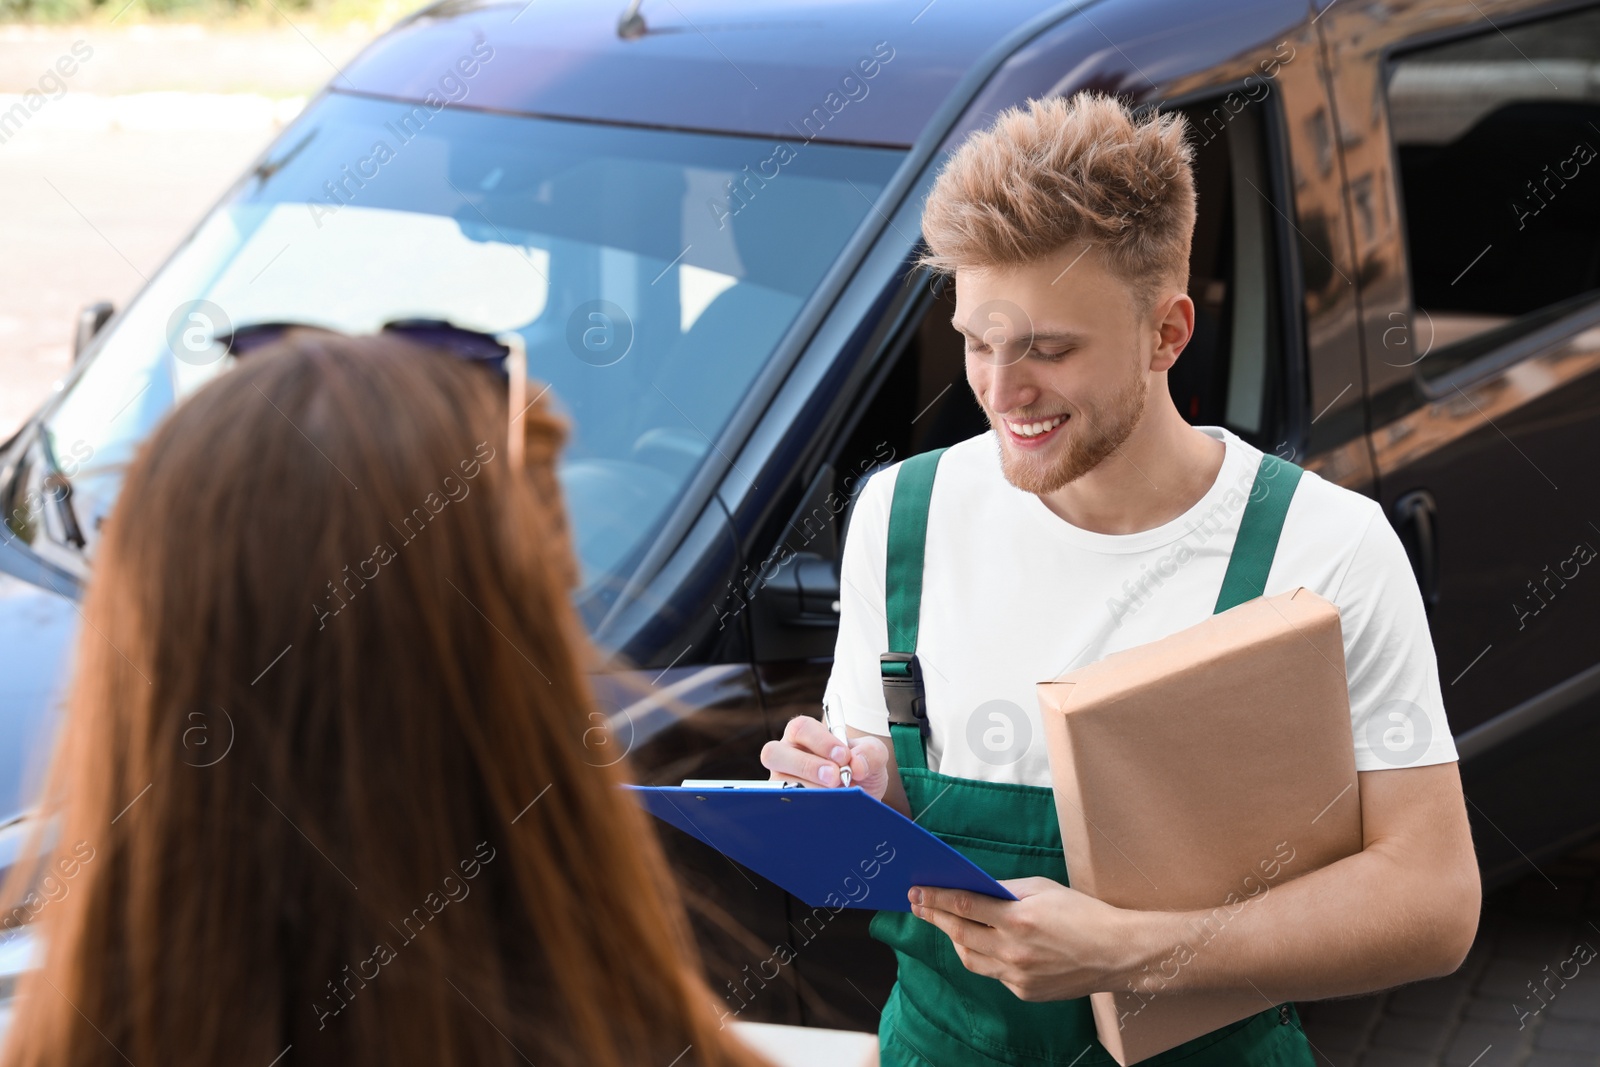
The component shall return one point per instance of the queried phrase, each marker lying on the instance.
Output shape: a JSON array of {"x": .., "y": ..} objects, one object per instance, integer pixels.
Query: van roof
[{"x": 847, "y": 71}]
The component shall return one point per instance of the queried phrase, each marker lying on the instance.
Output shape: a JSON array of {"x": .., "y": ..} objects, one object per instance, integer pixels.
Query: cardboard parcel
[{"x": 1195, "y": 773}]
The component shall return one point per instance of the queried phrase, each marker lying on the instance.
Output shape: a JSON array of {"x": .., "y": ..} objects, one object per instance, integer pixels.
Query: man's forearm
[{"x": 1366, "y": 922}]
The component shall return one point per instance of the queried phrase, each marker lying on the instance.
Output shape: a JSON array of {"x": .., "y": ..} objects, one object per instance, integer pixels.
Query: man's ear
[{"x": 1174, "y": 323}]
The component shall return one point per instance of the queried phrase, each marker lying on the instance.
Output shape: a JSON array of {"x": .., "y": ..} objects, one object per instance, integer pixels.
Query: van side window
[
  {"x": 1231, "y": 372},
  {"x": 1495, "y": 143}
]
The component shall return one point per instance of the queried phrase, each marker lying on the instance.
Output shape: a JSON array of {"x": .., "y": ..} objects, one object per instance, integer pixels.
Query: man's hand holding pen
[{"x": 809, "y": 753}]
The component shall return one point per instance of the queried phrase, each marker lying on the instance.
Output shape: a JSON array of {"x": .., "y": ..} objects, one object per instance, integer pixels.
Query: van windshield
[{"x": 650, "y": 273}]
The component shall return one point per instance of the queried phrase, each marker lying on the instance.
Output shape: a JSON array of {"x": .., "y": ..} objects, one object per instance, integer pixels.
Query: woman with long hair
[{"x": 320, "y": 795}]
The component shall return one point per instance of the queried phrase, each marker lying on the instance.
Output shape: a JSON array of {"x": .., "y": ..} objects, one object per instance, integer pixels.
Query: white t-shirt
[{"x": 1013, "y": 594}]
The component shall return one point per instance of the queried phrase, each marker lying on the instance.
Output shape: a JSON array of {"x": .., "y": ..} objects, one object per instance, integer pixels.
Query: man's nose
[{"x": 1009, "y": 379}]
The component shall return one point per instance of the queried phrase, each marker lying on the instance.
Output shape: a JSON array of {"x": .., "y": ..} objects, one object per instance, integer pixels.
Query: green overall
[{"x": 939, "y": 1014}]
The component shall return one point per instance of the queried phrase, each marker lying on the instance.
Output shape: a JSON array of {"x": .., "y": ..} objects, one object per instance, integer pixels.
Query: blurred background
[{"x": 170, "y": 105}]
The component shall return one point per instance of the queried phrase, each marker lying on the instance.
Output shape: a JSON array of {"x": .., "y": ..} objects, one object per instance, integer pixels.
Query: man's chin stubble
[
  {"x": 1043, "y": 475},
  {"x": 1084, "y": 450}
]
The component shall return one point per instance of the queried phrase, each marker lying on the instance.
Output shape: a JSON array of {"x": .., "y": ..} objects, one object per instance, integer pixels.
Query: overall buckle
[{"x": 902, "y": 689}]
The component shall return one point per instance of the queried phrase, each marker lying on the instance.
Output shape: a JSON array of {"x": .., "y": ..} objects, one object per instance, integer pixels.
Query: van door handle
[{"x": 1415, "y": 520}]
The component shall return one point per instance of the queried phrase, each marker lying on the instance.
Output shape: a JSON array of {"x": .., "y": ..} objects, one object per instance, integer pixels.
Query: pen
[{"x": 838, "y": 731}]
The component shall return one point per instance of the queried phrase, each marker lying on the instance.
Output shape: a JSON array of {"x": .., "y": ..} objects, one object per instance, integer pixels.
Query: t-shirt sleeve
[
  {"x": 855, "y": 688},
  {"x": 1396, "y": 706}
]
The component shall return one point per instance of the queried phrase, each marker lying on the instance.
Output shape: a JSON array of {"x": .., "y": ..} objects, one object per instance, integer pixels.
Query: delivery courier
[{"x": 1091, "y": 519}]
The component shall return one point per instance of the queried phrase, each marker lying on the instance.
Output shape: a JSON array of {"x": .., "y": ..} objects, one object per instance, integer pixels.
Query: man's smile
[{"x": 1033, "y": 433}]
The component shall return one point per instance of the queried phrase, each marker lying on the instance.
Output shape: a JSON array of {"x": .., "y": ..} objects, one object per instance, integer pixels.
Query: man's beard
[{"x": 1100, "y": 434}]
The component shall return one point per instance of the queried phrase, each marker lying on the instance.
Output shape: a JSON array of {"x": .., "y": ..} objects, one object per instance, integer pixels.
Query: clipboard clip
[{"x": 903, "y": 691}]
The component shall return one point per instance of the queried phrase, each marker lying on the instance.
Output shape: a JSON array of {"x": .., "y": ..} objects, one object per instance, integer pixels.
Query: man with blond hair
[{"x": 1091, "y": 518}]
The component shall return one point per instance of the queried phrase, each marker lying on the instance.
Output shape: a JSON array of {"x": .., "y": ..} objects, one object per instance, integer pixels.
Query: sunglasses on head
[{"x": 505, "y": 354}]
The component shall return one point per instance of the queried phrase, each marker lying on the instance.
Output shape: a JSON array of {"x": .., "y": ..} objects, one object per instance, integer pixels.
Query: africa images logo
[
  {"x": 1397, "y": 731},
  {"x": 999, "y": 732}
]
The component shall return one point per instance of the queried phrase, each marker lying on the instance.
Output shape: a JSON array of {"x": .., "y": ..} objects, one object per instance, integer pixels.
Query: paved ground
[
  {"x": 1529, "y": 993},
  {"x": 285, "y": 59}
]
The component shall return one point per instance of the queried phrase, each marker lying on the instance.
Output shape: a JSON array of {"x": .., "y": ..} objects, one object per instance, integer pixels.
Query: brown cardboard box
[{"x": 1197, "y": 772}]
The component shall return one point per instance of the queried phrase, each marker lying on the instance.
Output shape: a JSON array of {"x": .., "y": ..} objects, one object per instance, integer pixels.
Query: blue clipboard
[{"x": 830, "y": 847}]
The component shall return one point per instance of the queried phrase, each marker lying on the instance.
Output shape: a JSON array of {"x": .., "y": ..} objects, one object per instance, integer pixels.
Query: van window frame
[{"x": 1534, "y": 339}]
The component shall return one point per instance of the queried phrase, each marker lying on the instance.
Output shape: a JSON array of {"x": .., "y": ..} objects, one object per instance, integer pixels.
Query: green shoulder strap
[
  {"x": 1246, "y": 578},
  {"x": 908, "y": 530},
  {"x": 1259, "y": 527},
  {"x": 902, "y": 675}
]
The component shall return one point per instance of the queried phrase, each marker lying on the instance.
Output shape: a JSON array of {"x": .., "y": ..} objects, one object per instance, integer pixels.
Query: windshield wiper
[{"x": 58, "y": 488}]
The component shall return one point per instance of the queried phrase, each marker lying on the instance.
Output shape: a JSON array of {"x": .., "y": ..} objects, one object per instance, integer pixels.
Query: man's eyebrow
[{"x": 1047, "y": 336}]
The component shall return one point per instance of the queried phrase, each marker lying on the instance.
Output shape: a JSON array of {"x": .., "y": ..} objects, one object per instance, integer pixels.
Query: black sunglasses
[{"x": 504, "y": 354}]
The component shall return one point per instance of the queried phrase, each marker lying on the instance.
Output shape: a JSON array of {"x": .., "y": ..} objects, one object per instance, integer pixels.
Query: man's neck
[{"x": 1162, "y": 469}]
